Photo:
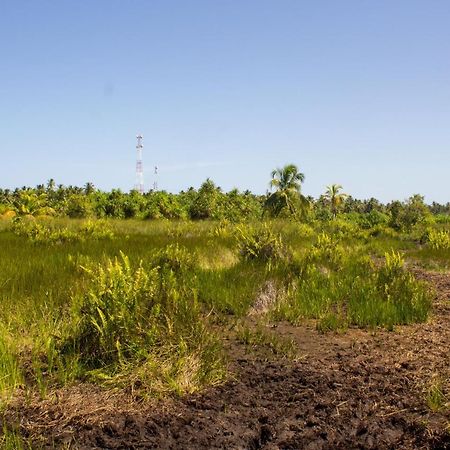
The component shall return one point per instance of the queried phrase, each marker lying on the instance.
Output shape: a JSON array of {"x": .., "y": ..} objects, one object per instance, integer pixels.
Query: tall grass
[
  {"x": 341, "y": 288},
  {"x": 79, "y": 308}
]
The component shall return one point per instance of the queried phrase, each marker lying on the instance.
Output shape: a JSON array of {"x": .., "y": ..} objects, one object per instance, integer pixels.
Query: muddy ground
[{"x": 358, "y": 390}]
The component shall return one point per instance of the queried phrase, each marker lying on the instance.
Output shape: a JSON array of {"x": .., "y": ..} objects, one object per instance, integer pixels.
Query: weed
[
  {"x": 438, "y": 239},
  {"x": 130, "y": 317},
  {"x": 260, "y": 244},
  {"x": 260, "y": 337},
  {"x": 436, "y": 399},
  {"x": 354, "y": 292}
]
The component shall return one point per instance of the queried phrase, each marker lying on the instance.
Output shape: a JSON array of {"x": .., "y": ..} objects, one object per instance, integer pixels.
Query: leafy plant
[
  {"x": 115, "y": 318},
  {"x": 437, "y": 239},
  {"x": 260, "y": 244}
]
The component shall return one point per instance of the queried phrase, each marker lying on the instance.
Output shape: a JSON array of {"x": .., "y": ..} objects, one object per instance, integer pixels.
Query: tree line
[{"x": 285, "y": 199}]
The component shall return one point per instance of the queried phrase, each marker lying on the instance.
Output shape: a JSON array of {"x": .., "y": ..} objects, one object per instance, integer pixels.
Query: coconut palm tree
[
  {"x": 287, "y": 178},
  {"x": 334, "y": 195},
  {"x": 287, "y": 197}
]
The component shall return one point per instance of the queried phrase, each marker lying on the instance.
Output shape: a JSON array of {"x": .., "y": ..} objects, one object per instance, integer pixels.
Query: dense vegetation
[
  {"x": 210, "y": 202},
  {"x": 137, "y": 304}
]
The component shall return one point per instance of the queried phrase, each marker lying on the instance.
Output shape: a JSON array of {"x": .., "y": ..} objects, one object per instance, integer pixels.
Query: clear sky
[{"x": 354, "y": 92}]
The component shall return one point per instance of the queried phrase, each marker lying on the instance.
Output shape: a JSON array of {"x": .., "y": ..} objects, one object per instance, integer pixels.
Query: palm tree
[
  {"x": 89, "y": 188},
  {"x": 334, "y": 195},
  {"x": 287, "y": 197},
  {"x": 51, "y": 185}
]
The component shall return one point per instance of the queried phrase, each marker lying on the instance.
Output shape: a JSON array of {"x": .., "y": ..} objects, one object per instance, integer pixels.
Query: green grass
[
  {"x": 259, "y": 338},
  {"x": 60, "y": 323},
  {"x": 435, "y": 398}
]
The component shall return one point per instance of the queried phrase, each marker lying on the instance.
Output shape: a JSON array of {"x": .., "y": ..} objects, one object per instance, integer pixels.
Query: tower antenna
[
  {"x": 155, "y": 184},
  {"x": 139, "y": 165}
]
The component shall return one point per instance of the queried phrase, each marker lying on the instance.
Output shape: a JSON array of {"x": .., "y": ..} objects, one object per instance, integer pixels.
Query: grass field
[{"x": 145, "y": 306}]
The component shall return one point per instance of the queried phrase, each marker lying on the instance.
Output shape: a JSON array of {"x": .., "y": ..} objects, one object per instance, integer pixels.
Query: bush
[
  {"x": 145, "y": 321},
  {"x": 260, "y": 244},
  {"x": 176, "y": 259},
  {"x": 96, "y": 229},
  {"x": 78, "y": 206},
  {"x": 436, "y": 239},
  {"x": 325, "y": 252},
  {"x": 404, "y": 216},
  {"x": 39, "y": 233},
  {"x": 116, "y": 317}
]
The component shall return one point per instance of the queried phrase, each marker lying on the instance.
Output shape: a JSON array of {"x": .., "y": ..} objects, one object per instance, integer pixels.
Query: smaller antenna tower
[
  {"x": 155, "y": 183},
  {"x": 139, "y": 165}
]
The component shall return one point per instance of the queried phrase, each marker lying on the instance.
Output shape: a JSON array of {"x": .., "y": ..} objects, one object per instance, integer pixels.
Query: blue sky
[{"x": 353, "y": 92}]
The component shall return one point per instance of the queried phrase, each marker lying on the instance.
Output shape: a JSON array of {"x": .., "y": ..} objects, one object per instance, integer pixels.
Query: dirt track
[{"x": 357, "y": 390}]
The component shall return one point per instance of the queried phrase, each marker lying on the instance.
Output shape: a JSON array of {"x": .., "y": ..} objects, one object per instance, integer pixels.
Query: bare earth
[{"x": 358, "y": 390}]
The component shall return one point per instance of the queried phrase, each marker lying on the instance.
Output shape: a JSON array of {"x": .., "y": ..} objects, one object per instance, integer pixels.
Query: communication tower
[
  {"x": 139, "y": 165},
  {"x": 155, "y": 183}
]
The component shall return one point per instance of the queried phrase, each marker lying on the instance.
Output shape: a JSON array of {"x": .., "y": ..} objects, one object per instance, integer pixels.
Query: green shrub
[
  {"x": 96, "y": 229},
  {"x": 40, "y": 233},
  {"x": 260, "y": 244},
  {"x": 37, "y": 232},
  {"x": 116, "y": 316},
  {"x": 177, "y": 259},
  {"x": 436, "y": 239},
  {"x": 144, "y": 323},
  {"x": 325, "y": 252}
]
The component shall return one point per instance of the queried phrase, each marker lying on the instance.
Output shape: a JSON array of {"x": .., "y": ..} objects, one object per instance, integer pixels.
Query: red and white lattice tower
[{"x": 139, "y": 166}]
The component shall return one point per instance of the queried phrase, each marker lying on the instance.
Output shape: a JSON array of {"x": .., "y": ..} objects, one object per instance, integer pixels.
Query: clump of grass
[
  {"x": 260, "y": 244},
  {"x": 130, "y": 318},
  {"x": 259, "y": 337},
  {"x": 10, "y": 373},
  {"x": 437, "y": 239},
  {"x": 96, "y": 229},
  {"x": 435, "y": 397},
  {"x": 325, "y": 252},
  {"x": 222, "y": 230},
  {"x": 11, "y": 439},
  {"x": 40, "y": 233},
  {"x": 350, "y": 290},
  {"x": 231, "y": 290}
]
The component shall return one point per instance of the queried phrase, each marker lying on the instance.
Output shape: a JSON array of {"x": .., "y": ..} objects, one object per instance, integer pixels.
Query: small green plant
[
  {"x": 260, "y": 244},
  {"x": 10, "y": 439},
  {"x": 392, "y": 268},
  {"x": 331, "y": 321},
  {"x": 222, "y": 229},
  {"x": 259, "y": 337},
  {"x": 96, "y": 229},
  {"x": 436, "y": 399},
  {"x": 326, "y": 252},
  {"x": 438, "y": 239},
  {"x": 177, "y": 259},
  {"x": 10, "y": 372}
]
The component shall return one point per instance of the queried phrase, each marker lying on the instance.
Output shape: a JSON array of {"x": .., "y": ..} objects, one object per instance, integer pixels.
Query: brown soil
[{"x": 358, "y": 390}]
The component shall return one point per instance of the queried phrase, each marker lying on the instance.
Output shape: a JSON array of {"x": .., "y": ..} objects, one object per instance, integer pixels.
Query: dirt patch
[
  {"x": 265, "y": 299},
  {"x": 358, "y": 390}
]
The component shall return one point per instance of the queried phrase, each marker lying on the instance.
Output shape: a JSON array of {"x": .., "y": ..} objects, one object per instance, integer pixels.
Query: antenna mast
[
  {"x": 139, "y": 166},
  {"x": 155, "y": 184}
]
